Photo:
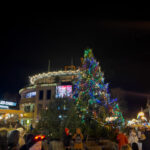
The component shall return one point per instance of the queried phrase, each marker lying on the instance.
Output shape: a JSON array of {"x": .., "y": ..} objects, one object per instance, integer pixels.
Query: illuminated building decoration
[
  {"x": 4, "y": 107},
  {"x": 140, "y": 114},
  {"x": 110, "y": 119},
  {"x": 44, "y": 88},
  {"x": 34, "y": 78},
  {"x": 140, "y": 121},
  {"x": 63, "y": 91},
  {"x": 7, "y": 103}
]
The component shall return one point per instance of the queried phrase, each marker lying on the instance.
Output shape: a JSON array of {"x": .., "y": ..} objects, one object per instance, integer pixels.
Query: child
[{"x": 78, "y": 137}]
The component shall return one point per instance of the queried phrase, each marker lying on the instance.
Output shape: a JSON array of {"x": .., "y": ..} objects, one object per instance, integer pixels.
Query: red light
[
  {"x": 39, "y": 137},
  {"x": 36, "y": 137},
  {"x": 42, "y": 137}
]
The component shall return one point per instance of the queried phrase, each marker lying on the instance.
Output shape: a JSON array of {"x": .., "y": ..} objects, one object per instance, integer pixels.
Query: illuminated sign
[
  {"x": 4, "y": 107},
  {"x": 63, "y": 91},
  {"x": 7, "y": 103}
]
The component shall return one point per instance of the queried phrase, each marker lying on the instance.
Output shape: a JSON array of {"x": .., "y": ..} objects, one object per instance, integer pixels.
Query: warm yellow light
[
  {"x": 140, "y": 114},
  {"x": 144, "y": 118},
  {"x": 51, "y": 74},
  {"x": 110, "y": 119},
  {"x": 28, "y": 121}
]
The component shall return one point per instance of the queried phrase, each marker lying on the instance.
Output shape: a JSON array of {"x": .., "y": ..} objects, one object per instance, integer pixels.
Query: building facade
[{"x": 44, "y": 88}]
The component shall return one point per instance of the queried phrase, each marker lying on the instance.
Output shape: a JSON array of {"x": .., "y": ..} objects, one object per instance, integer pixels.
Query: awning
[{"x": 10, "y": 111}]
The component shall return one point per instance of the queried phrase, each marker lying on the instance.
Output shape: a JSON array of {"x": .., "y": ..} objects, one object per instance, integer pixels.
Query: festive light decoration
[
  {"x": 110, "y": 119},
  {"x": 140, "y": 121},
  {"x": 140, "y": 114},
  {"x": 117, "y": 113},
  {"x": 34, "y": 78},
  {"x": 91, "y": 93},
  {"x": 144, "y": 118}
]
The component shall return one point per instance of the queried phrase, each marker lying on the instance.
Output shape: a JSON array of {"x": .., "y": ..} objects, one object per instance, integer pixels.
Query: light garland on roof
[{"x": 34, "y": 78}]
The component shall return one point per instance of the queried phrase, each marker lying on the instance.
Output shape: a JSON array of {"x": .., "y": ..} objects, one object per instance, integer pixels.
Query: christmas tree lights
[{"x": 91, "y": 93}]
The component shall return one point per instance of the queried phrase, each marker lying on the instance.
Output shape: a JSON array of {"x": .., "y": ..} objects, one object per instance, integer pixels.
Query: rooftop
[{"x": 37, "y": 77}]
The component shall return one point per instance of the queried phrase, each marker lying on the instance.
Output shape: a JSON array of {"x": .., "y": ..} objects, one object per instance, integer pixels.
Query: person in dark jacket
[
  {"x": 67, "y": 139},
  {"x": 13, "y": 140},
  {"x": 3, "y": 140},
  {"x": 146, "y": 142},
  {"x": 31, "y": 143},
  {"x": 135, "y": 146},
  {"x": 28, "y": 139}
]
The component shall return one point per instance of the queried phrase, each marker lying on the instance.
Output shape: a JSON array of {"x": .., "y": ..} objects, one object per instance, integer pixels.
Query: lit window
[{"x": 30, "y": 94}]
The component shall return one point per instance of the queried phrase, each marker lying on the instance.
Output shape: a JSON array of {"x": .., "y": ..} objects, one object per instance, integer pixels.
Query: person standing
[
  {"x": 3, "y": 140},
  {"x": 78, "y": 137},
  {"x": 21, "y": 137},
  {"x": 135, "y": 146},
  {"x": 122, "y": 140},
  {"x": 67, "y": 139},
  {"x": 132, "y": 138},
  {"x": 141, "y": 137},
  {"x": 146, "y": 142},
  {"x": 13, "y": 140}
]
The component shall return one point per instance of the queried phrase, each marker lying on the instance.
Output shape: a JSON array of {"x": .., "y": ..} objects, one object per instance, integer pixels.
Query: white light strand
[{"x": 52, "y": 74}]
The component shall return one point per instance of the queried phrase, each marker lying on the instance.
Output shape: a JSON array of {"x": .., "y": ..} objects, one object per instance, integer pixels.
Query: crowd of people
[
  {"x": 18, "y": 140},
  {"x": 134, "y": 140}
]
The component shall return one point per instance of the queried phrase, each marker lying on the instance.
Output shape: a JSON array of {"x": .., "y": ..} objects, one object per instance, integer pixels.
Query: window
[
  {"x": 27, "y": 108},
  {"x": 30, "y": 94},
  {"x": 48, "y": 94},
  {"x": 40, "y": 95}
]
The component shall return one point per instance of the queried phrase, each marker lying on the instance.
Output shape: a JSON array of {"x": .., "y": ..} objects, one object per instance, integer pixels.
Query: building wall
[{"x": 42, "y": 84}]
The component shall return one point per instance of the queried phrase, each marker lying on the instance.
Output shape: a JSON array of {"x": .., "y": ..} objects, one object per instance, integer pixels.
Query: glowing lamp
[
  {"x": 109, "y": 119},
  {"x": 28, "y": 121}
]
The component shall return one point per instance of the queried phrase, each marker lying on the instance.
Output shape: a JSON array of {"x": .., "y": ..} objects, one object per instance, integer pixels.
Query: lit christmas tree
[
  {"x": 91, "y": 93},
  {"x": 115, "y": 116}
]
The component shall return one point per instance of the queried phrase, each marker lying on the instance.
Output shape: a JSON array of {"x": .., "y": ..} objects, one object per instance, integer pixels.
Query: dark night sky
[{"x": 120, "y": 41}]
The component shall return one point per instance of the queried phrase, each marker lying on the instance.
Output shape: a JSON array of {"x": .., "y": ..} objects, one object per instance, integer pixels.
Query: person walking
[{"x": 78, "y": 137}]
